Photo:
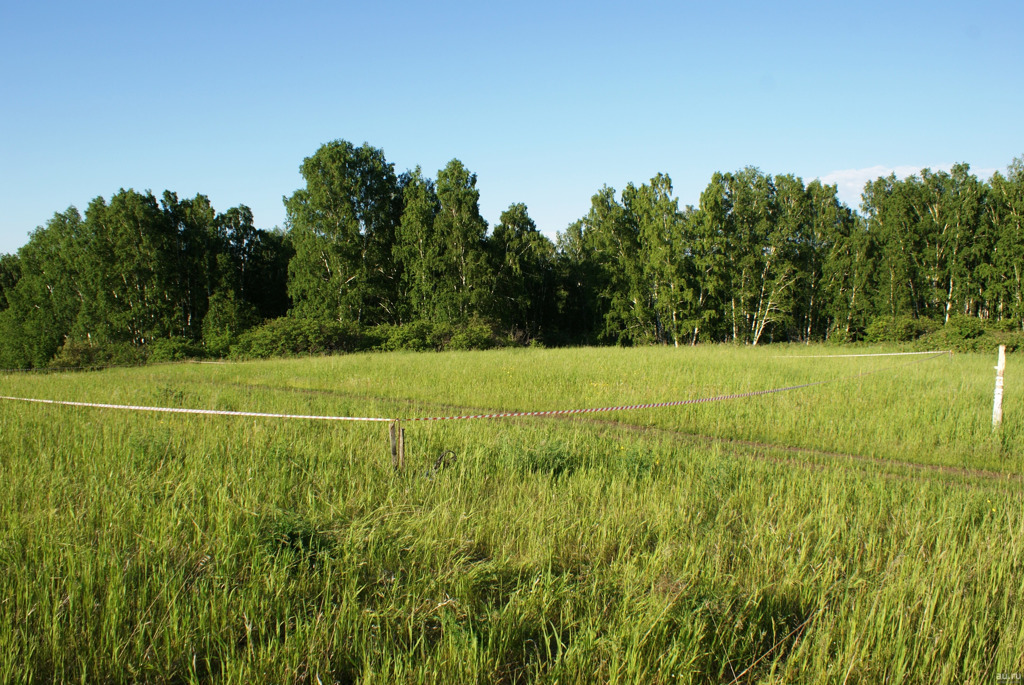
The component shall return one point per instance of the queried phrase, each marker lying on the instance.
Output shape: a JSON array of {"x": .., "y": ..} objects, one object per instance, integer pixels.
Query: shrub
[
  {"x": 962, "y": 327},
  {"x": 291, "y": 336},
  {"x": 897, "y": 329},
  {"x": 417, "y": 336},
  {"x": 420, "y": 336},
  {"x": 474, "y": 335},
  {"x": 839, "y": 336},
  {"x": 78, "y": 354},
  {"x": 225, "y": 319},
  {"x": 288, "y": 336},
  {"x": 1007, "y": 325},
  {"x": 173, "y": 349},
  {"x": 971, "y": 337}
]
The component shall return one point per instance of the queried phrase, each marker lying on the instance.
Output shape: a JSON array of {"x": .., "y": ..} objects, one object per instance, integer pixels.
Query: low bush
[
  {"x": 173, "y": 349},
  {"x": 970, "y": 338},
  {"x": 288, "y": 336},
  {"x": 79, "y": 354},
  {"x": 225, "y": 320},
  {"x": 1009, "y": 326},
  {"x": 420, "y": 336},
  {"x": 962, "y": 327},
  {"x": 898, "y": 328},
  {"x": 839, "y": 336},
  {"x": 474, "y": 335},
  {"x": 416, "y": 336}
]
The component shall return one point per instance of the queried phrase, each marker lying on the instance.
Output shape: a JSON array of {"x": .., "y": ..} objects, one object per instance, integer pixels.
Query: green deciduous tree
[
  {"x": 613, "y": 246},
  {"x": 828, "y": 222},
  {"x": 1001, "y": 271},
  {"x": 342, "y": 227},
  {"x": 192, "y": 222},
  {"x": 45, "y": 300},
  {"x": 459, "y": 250},
  {"x": 417, "y": 250},
  {"x": 929, "y": 232},
  {"x": 949, "y": 209},
  {"x": 522, "y": 295},
  {"x": 130, "y": 273},
  {"x": 252, "y": 262},
  {"x": 134, "y": 272},
  {"x": 581, "y": 279},
  {"x": 665, "y": 271},
  {"x": 846, "y": 276},
  {"x": 762, "y": 258},
  {"x": 761, "y": 221},
  {"x": 10, "y": 274},
  {"x": 892, "y": 225}
]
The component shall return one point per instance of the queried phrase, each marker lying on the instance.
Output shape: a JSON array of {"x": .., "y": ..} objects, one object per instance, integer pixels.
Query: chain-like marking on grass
[
  {"x": 624, "y": 407},
  {"x": 496, "y": 415},
  {"x": 679, "y": 403}
]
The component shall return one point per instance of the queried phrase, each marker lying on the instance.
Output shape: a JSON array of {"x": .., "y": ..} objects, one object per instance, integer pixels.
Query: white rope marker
[
  {"x": 876, "y": 354},
  {"x": 180, "y": 410},
  {"x": 495, "y": 415}
]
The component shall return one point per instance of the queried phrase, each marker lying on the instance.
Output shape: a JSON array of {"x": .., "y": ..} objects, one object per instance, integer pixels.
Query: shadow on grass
[{"x": 743, "y": 636}]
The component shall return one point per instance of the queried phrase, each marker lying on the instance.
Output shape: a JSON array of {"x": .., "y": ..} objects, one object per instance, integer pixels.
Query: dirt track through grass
[{"x": 748, "y": 446}]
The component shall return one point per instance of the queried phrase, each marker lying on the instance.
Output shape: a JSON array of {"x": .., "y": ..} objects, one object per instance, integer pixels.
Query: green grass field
[{"x": 862, "y": 531}]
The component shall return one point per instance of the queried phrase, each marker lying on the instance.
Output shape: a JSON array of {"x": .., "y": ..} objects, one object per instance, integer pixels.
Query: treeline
[
  {"x": 371, "y": 258},
  {"x": 137, "y": 276},
  {"x": 766, "y": 258}
]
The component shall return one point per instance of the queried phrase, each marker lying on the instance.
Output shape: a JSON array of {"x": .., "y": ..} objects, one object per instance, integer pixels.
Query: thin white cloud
[{"x": 850, "y": 182}]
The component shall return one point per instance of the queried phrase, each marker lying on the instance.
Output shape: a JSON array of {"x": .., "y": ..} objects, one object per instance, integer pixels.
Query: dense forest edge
[{"x": 374, "y": 260}]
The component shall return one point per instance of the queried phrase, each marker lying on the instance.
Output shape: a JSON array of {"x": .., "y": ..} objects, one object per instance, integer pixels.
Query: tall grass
[{"x": 867, "y": 530}]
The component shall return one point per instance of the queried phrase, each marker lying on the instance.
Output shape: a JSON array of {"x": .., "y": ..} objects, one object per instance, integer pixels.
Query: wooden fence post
[
  {"x": 397, "y": 435},
  {"x": 997, "y": 401}
]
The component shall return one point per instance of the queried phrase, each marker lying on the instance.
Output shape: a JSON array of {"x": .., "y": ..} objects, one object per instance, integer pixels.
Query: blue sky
[{"x": 544, "y": 101}]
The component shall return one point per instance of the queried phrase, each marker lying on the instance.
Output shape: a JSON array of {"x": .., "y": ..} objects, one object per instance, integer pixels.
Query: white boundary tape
[
  {"x": 179, "y": 410},
  {"x": 840, "y": 356},
  {"x": 315, "y": 417}
]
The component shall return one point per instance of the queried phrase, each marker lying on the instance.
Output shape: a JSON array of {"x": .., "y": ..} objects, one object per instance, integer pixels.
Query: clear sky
[{"x": 544, "y": 101}]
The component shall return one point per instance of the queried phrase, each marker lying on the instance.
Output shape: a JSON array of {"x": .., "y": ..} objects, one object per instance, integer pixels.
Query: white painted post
[{"x": 997, "y": 401}]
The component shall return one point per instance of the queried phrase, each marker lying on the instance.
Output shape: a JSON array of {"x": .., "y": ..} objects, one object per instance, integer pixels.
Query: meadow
[{"x": 863, "y": 530}]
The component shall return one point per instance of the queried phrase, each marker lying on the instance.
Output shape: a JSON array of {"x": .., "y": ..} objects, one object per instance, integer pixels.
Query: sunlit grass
[{"x": 864, "y": 530}]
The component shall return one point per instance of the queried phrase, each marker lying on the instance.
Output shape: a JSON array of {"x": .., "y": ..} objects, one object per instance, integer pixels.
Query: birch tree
[{"x": 342, "y": 226}]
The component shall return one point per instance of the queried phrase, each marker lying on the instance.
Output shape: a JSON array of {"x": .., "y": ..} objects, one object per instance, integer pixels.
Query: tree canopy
[{"x": 762, "y": 258}]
